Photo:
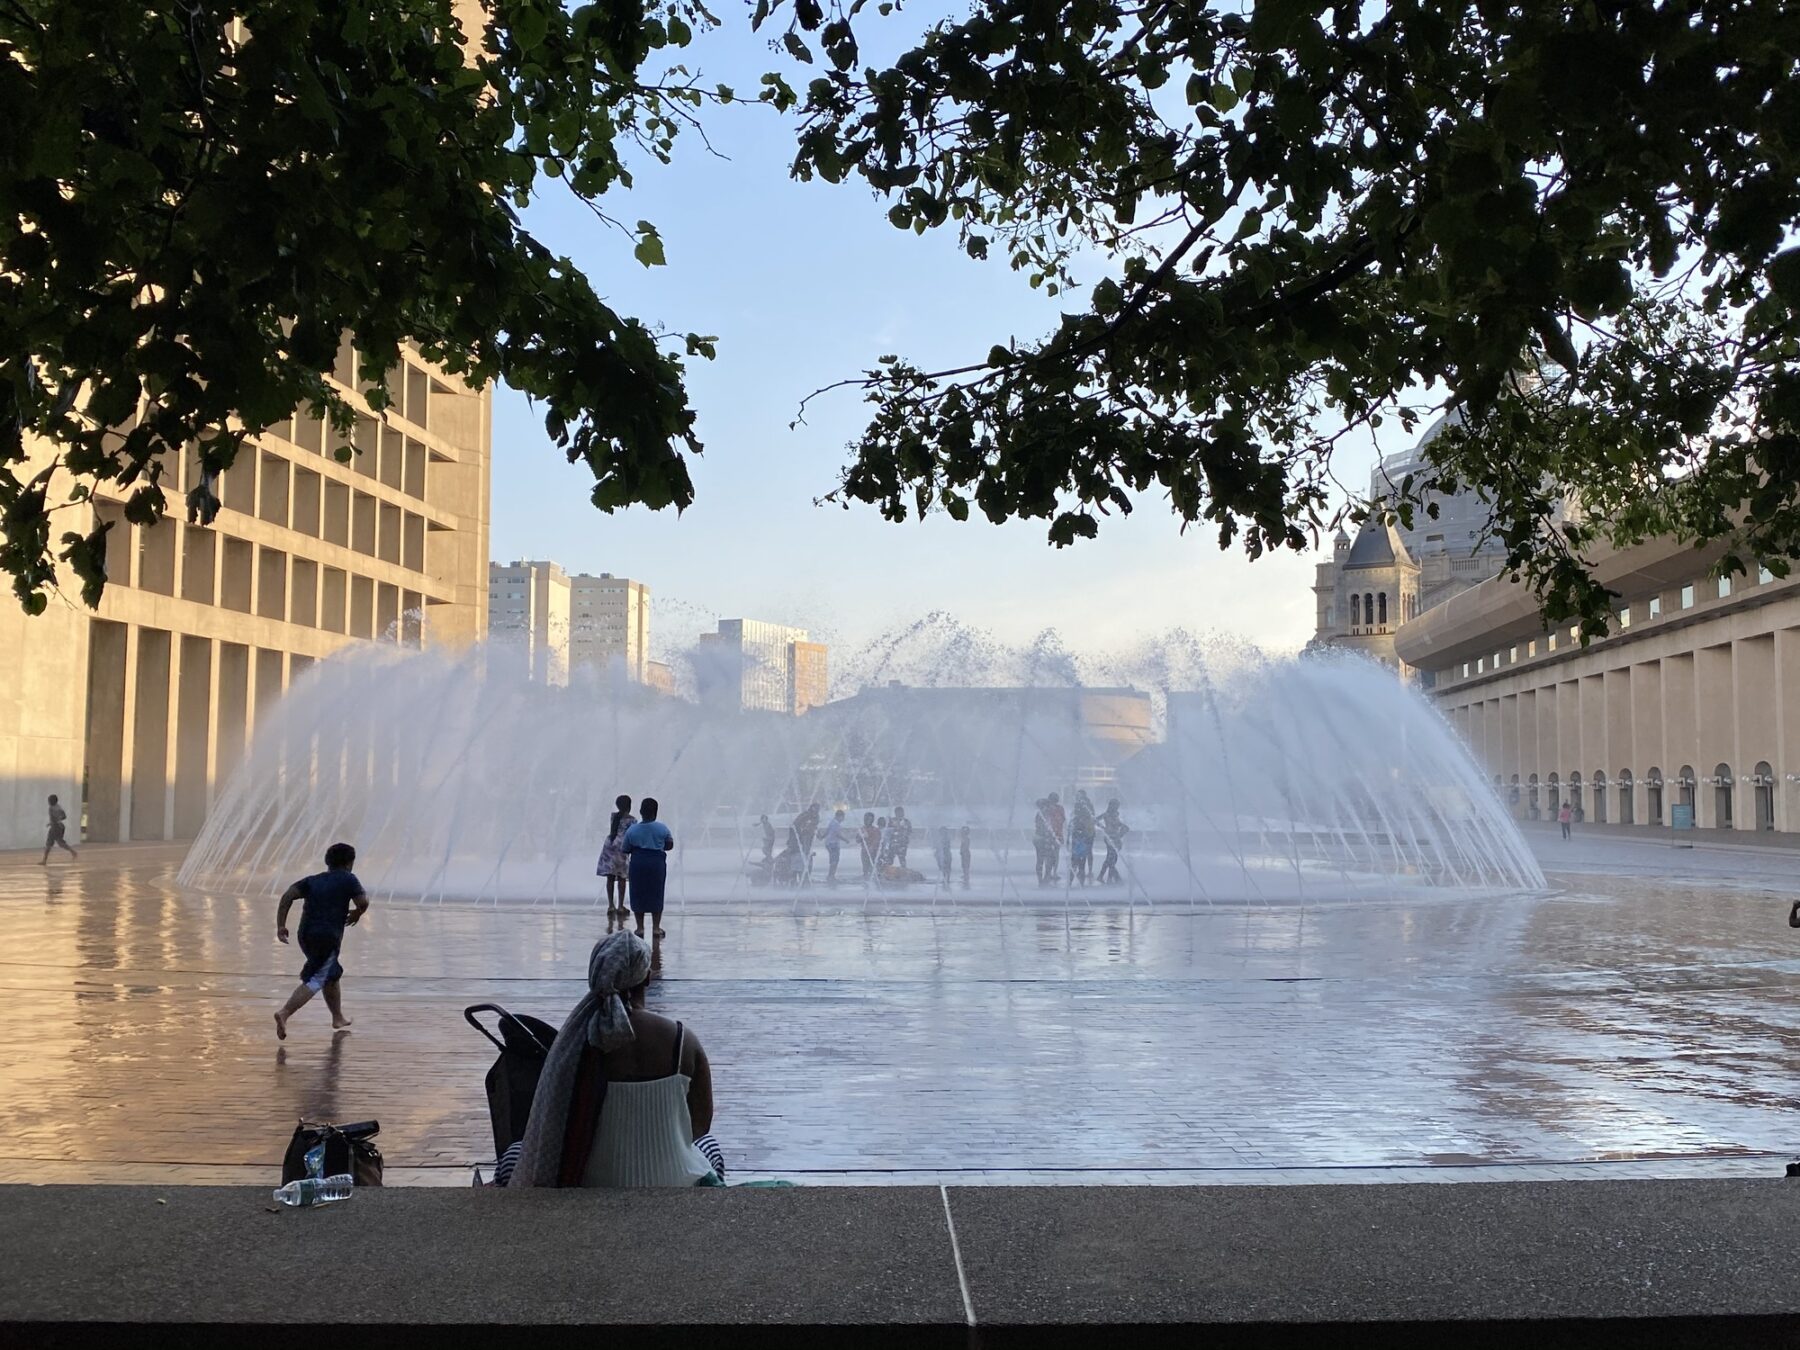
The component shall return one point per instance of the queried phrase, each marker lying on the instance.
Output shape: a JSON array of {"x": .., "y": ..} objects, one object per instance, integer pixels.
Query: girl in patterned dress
[{"x": 612, "y": 856}]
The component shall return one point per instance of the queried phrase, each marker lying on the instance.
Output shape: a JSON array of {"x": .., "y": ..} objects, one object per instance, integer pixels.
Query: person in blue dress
[{"x": 647, "y": 845}]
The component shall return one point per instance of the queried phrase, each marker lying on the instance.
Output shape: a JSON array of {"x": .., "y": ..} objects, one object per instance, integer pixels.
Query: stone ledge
[{"x": 1628, "y": 1262}]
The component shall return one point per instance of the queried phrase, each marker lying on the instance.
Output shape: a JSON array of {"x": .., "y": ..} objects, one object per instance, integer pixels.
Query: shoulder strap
[{"x": 680, "y": 1042}]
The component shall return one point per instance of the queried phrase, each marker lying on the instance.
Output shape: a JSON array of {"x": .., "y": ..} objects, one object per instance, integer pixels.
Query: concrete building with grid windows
[
  {"x": 136, "y": 713},
  {"x": 528, "y": 606},
  {"x": 609, "y": 625}
]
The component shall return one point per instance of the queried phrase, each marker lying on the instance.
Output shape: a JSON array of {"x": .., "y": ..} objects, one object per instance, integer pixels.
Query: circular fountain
[{"x": 1244, "y": 780}]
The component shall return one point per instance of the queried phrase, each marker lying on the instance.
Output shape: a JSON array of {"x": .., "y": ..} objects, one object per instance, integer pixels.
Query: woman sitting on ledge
[{"x": 625, "y": 1097}]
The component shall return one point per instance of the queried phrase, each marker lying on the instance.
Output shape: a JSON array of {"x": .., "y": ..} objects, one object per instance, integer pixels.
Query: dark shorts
[{"x": 322, "y": 965}]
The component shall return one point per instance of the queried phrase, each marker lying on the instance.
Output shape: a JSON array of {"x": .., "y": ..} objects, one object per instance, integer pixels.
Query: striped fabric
[{"x": 706, "y": 1143}]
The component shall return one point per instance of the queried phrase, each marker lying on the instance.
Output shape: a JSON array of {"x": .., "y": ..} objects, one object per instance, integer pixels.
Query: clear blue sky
[{"x": 805, "y": 284}]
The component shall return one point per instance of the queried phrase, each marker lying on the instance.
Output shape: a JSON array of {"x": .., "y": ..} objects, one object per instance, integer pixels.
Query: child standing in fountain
[
  {"x": 1114, "y": 829},
  {"x": 647, "y": 845},
  {"x": 612, "y": 856},
  {"x": 327, "y": 911},
  {"x": 1081, "y": 839}
]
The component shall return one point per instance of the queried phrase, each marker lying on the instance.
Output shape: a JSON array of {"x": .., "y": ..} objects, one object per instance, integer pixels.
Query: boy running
[
  {"x": 54, "y": 836},
  {"x": 329, "y": 897}
]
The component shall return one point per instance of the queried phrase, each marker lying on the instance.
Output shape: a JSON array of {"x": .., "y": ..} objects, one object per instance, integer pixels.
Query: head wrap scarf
[{"x": 617, "y": 964}]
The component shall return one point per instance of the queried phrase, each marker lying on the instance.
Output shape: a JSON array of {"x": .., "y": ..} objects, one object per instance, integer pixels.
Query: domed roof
[{"x": 1378, "y": 544}]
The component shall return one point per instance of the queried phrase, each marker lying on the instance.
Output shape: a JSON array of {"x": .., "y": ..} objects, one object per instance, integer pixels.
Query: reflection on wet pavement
[{"x": 1649, "y": 1009}]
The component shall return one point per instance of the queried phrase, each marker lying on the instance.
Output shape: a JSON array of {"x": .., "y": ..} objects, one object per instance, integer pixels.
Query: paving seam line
[{"x": 962, "y": 1278}]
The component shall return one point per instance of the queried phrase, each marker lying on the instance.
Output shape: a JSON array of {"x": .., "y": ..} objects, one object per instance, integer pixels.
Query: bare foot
[
  {"x": 340, "y": 1024},
  {"x": 660, "y": 933},
  {"x": 280, "y": 1027}
]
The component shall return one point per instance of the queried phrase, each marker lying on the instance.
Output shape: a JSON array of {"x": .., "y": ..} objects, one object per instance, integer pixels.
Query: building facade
[
  {"x": 529, "y": 606},
  {"x": 809, "y": 676},
  {"x": 1692, "y": 699},
  {"x": 1452, "y": 548},
  {"x": 1368, "y": 589},
  {"x": 758, "y": 666},
  {"x": 135, "y": 713},
  {"x": 609, "y": 625},
  {"x": 1392, "y": 572}
]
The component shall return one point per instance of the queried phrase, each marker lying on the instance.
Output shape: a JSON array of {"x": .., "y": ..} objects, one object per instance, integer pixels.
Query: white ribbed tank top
[{"x": 646, "y": 1136}]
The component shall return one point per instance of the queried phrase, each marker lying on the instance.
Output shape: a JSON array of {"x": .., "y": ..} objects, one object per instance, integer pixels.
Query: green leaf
[
  {"x": 530, "y": 26},
  {"x": 649, "y": 250}
]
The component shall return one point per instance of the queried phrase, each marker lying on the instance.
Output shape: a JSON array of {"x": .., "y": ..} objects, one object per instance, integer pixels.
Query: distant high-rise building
[
  {"x": 528, "y": 603},
  {"x": 609, "y": 621},
  {"x": 808, "y": 676},
  {"x": 766, "y": 667}
]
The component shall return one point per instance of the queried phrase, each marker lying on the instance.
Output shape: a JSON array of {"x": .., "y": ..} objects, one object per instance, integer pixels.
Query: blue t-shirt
[
  {"x": 650, "y": 836},
  {"x": 327, "y": 899}
]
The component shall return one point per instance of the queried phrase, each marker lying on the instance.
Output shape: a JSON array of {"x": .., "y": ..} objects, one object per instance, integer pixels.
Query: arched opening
[
  {"x": 1627, "y": 798},
  {"x": 1512, "y": 794},
  {"x": 1599, "y": 796},
  {"x": 1381, "y": 601},
  {"x": 1368, "y": 609},
  {"x": 1687, "y": 785},
  {"x": 1355, "y": 611},
  {"x": 1653, "y": 792},
  {"x": 1555, "y": 794},
  {"x": 1723, "y": 783},
  {"x": 1765, "y": 795},
  {"x": 1531, "y": 798},
  {"x": 1575, "y": 803}
]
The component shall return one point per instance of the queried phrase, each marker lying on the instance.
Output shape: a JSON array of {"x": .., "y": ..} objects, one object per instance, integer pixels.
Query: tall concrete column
[
  {"x": 232, "y": 710},
  {"x": 212, "y": 726},
  {"x": 270, "y": 674},
  {"x": 1713, "y": 684},
  {"x": 1787, "y": 728},
  {"x": 1755, "y": 731},
  {"x": 193, "y": 737},
  {"x": 149, "y": 800},
  {"x": 106, "y": 747}
]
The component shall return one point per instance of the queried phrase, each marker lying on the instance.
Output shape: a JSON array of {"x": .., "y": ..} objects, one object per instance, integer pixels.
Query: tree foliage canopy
[
  {"x": 198, "y": 200},
  {"x": 1576, "y": 218},
  {"x": 1573, "y": 222}
]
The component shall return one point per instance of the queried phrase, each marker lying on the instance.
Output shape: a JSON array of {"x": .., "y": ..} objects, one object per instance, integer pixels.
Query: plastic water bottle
[{"x": 309, "y": 1191}]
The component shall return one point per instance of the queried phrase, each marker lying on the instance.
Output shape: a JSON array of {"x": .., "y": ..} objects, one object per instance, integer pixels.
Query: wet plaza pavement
[{"x": 1649, "y": 1009}]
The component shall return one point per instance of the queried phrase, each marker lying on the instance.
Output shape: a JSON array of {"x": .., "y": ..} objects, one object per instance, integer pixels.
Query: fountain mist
[{"x": 1244, "y": 779}]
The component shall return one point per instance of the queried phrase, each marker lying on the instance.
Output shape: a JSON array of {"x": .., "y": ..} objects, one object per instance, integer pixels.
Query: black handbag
[{"x": 348, "y": 1148}]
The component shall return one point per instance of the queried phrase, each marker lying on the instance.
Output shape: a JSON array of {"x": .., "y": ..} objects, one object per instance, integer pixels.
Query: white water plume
[{"x": 1243, "y": 779}]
